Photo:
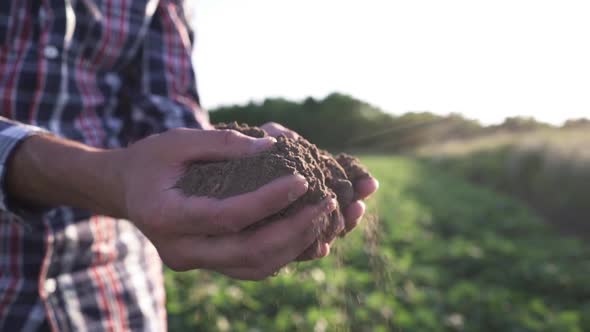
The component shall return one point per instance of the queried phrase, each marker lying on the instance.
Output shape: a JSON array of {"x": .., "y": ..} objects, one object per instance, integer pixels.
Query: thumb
[{"x": 217, "y": 144}]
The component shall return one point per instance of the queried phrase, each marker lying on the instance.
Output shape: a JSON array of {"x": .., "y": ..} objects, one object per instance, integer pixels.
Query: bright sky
[{"x": 485, "y": 59}]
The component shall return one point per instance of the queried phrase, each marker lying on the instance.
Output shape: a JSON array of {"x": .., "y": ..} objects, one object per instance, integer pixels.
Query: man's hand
[
  {"x": 200, "y": 232},
  {"x": 189, "y": 232},
  {"x": 352, "y": 214}
]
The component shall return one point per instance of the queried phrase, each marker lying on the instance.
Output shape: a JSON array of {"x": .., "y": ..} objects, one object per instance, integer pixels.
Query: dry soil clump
[{"x": 326, "y": 175}]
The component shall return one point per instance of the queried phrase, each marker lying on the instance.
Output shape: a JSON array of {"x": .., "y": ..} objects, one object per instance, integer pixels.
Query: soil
[{"x": 326, "y": 175}]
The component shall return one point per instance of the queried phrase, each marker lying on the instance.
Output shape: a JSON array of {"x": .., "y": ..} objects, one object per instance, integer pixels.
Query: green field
[
  {"x": 547, "y": 169},
  {"x": 435, "y": 253}
]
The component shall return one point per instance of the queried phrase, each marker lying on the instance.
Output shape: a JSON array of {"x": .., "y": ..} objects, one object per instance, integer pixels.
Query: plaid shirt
[{"x": 105, "y": 73}]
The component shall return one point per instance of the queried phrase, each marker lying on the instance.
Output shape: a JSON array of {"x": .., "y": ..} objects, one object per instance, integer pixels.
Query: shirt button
[
  {"x": 50, "y": 52},
  {"x": 50, "y": 285},
  {"x": 113, "y": 80}
]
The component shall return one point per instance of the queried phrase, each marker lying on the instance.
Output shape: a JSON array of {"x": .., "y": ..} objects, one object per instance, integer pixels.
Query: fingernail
[
  {"x": 299, "y": 188},
  {"x": 261, "y": 144},
  {"x": 331, "y": 205},
  {"x": 325, "y": 249}
]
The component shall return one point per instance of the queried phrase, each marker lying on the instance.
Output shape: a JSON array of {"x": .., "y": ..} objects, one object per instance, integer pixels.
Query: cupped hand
[{"x": 202, "y": 232}]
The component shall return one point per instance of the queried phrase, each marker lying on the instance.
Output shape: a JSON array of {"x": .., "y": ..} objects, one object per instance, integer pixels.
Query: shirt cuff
[{"x": 11, "y": 135}]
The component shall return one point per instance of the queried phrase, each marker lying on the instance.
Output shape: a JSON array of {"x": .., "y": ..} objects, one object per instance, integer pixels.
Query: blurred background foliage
[
  {"x": 474, "y": 228},
  {"x": 341, "y": 122}
]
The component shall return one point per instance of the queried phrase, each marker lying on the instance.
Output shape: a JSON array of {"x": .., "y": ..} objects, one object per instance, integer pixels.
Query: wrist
[
  {"x": 106, "y": 181},
  {"x": 48, "y": 171}
]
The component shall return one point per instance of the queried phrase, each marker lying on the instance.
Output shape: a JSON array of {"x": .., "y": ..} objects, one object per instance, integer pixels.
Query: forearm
[{"x": 48, "y": 171}]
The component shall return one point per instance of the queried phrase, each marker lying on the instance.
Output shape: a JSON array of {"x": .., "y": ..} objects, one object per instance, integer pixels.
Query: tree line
[{"x": 341, "y": 122}]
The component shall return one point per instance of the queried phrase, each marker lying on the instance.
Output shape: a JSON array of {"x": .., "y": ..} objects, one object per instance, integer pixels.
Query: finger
[
  {"x": 236, "y": 213},
  {"x": 193, "y": 144},
  {"x": 274, "y": 129},
  {"x": 287, "y": 253},
  {"x": 320, "y": 248},
  {"x": 315, "y": 251},
  {"x": 265, "y": 249},
  {"x": 365, "y": 187},
  {"x": 353, "y": 215},
  {"x": 337, "y": 225}
]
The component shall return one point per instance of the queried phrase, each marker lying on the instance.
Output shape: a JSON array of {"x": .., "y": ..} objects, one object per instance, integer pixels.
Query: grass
[
  {"x": 550, "y": 170},
  {"x": 434, "y": 254}
]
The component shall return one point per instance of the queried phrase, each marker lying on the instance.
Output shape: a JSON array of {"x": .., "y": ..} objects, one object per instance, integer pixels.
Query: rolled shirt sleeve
[{"x": 11, "y": 135}]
